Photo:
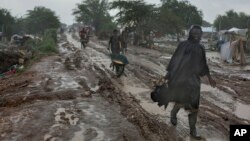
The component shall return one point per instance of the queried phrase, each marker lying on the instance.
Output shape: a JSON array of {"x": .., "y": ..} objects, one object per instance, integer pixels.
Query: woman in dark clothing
[{"x": 186, "y": 66}]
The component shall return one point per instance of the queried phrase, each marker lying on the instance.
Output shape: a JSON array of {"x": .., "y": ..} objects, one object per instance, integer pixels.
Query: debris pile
[{"x": 12, "y": 57}]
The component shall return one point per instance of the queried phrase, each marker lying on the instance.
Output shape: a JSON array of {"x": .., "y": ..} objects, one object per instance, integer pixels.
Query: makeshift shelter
[
  {"x": 208, "y": 32},
  {"x": 232, "y": 50},
  {"x": 238, "y": 32}
]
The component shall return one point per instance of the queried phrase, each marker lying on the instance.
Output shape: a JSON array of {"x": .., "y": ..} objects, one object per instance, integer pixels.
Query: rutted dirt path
[
  {"x": 76, "y": 96},
  {"x": 57, "y": 103},
  {"x": 219, "y": 106}
]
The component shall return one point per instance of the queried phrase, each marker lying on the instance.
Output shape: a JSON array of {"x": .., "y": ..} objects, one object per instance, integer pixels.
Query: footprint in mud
[
  {"x": 65, "y": 119},
  {"x": 90, "y": 134},
  {"x": 66, "y": 116},
  {"x": 48, "y": 86}
]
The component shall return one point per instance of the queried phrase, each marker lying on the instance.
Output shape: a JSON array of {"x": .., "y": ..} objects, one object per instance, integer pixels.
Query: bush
[
  {"x": 32, "y": 44},
  {"x": 48, "y": 45},
  {"x": 51, "y": 33}
]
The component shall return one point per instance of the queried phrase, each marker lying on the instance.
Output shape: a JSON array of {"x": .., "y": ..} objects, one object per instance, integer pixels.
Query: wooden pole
[{"x": 242, "y": 54}]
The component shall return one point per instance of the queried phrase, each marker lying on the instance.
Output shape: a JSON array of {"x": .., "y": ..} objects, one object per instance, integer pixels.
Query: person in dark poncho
[
  {"x": 186, "y": 66},
  {"x": 115, "y": 46},
  {"x": 115, "y": 42}
]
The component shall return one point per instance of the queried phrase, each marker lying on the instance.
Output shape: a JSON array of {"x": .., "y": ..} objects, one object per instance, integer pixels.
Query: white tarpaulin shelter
[
  {"x": 241, "y": 32},
  {"x": 232, "y": 49},
  {"x": 234, "y": 29},
  {"x": 225, "y": 52},
  {"x": 208, "y": 29}
]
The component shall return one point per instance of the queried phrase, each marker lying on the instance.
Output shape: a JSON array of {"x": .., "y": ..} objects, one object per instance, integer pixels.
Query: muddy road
[{"x": 75, "y": 96}]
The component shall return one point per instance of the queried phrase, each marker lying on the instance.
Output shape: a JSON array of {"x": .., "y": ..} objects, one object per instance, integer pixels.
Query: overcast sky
[{"x": 63, "y": 8}]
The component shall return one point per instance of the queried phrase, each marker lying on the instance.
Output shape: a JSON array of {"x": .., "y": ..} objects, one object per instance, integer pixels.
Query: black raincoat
[{"x": 186, "y": 66}]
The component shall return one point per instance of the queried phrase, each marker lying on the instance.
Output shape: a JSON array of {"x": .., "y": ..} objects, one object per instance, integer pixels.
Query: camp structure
[{"x": 234, "y": 45}]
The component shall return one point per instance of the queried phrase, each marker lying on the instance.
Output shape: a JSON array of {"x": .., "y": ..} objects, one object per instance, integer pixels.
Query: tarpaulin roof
[
  {"x": 238, "y": 31},
  {"x": 234, "y": 29},
  {"x": 208, "y": 29}
]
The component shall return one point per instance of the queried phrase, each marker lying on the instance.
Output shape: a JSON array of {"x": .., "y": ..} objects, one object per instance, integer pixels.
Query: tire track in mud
[
  {"x": 183, "y": 131},
  {"x": 14, "y": 101},
  {"x": 35, "y": 112},
  {"x": 220, "y": 118},
  {"x": 233, "y": 79},
  {"x": 216, "y": 117},
  {"x": 148, "y": 125},
  {"x": 122, "y": 83},
  {"x": 239, "y": 86}
]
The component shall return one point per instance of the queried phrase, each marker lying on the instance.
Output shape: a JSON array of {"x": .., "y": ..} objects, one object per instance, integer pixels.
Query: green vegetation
[
  {"x": 46, "y": 45},
  {"x": 136, "y": 15},
  {"x": 40, "y": 19},
  {"x": 232, "y": 19},
  {"x": 36, "y": 22},
  {"x": 172, "y": 17},
  {"x": 206, "y": 23},
  {"x": 42, "y": 24},
  {"x": 51, "y": 33},
  {"x": 95, "y": 13},
  {"x": 6, "y": 22}
]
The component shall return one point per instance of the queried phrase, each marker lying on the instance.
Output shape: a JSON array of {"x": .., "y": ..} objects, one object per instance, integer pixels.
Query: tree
[
  {"x": 231, "y": 19},
  {"x": 173, "y": 17},
  {"x": 176, "y": 16},
  {"x": 187, "y": 13},
  {"x": 136, "y": 14},
  {"x": 132, "y": 12},
  {"x": 206, "y": 23},
  {"x": 6, "y": 22},
  {"x": 39, "y": 19},
  {"x": 95, "y": 13},
  {"x": 19, "y": 26}
]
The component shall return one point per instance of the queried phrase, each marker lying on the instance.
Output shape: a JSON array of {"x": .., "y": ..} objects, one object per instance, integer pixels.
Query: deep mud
[
  {"x": 50, "y": 102},
  {"x": 76, "y": 96}
]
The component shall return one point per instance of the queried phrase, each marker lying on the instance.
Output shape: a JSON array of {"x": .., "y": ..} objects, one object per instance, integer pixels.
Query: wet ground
[{"x": 76, "y": 96}]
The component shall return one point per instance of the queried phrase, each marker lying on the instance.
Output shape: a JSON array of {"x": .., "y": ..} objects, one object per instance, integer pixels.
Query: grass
[
  {"x": 47, "y": 46},
  {"x": 41, "y": 47}
]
